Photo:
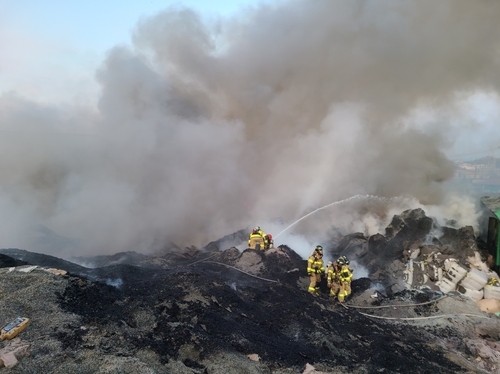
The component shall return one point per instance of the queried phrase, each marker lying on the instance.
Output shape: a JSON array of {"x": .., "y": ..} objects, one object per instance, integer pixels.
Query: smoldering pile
[
  {"x": 418, "y": 253},
  {"x": 208, "y": 316}
]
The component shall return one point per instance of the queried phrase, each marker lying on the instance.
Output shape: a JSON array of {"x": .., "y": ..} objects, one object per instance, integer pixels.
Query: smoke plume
[{"x": 203, "y": 128}]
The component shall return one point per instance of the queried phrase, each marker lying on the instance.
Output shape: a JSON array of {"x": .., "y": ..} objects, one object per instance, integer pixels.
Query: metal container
[{"x": 14, "y": 328}]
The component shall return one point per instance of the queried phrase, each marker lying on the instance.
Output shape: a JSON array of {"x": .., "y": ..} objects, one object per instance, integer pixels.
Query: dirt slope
[{"x": 202, "y": 315}]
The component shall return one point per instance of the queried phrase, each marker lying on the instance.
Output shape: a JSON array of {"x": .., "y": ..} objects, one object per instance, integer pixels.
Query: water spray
[{"x": 336, "y": 203}]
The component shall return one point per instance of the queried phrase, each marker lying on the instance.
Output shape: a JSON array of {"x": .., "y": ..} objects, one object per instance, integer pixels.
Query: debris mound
[{"x": 212, "y": 309}]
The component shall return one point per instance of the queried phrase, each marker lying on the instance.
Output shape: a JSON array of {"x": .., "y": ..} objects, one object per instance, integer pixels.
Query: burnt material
[
  {"x": 216, "y": 308},
  {"x": 7, "y": 261}
]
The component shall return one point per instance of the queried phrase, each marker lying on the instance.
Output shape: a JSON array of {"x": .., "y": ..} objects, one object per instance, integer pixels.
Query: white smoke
[{"x": 305, "y": 103}]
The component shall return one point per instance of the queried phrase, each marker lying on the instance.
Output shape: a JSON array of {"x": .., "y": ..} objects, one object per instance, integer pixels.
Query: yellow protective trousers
[
  {"x": 315, "y": 279},
  {"x": 344, "y": 291},
  {"x": 334, "y": 289}
]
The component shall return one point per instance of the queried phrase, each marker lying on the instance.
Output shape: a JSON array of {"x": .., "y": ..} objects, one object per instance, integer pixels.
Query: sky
[
  {"x": 136, "y": 126},
  {"x": 52, "y": 48}
]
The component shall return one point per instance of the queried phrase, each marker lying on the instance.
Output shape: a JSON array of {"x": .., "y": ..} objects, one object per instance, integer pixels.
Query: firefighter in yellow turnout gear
[
  {"x": 258, "y": 239},
  {"x": 345, "y": 278},
  {"x": 339, "y": 278},
  {"x": 315, "y": 268},
  {"x": 332, "y": 278}
]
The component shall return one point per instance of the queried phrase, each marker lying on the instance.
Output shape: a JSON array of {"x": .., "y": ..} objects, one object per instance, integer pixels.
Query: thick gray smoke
[{"x": 203, "y": 128}]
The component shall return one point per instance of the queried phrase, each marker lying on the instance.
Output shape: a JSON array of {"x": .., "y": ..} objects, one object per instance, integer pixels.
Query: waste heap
[{"x": 418, "y": 253}]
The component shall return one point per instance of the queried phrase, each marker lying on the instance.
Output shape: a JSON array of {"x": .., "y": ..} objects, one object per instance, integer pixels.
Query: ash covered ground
[{"x": 211, "y": 310}]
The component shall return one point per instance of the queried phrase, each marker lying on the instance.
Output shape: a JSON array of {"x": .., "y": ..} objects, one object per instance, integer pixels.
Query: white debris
[
  {"x": 28, "y": 269},
  {"x": 254, "y": 357},
  {"x": 449, "y": 276},
  {"x": 311, "y": 370},
  {"x": 12, "y": 351},
  {"x": 56, "y": 271}
]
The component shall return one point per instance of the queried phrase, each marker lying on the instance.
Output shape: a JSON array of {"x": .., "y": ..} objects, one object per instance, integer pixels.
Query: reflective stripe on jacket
[
  {"x": 258, "y": 234},
  {"x": 345, "y": 274},
  {"x": 255, "y": 236},
  {"x": 332, "y": 275},
  {"x": 315, "y": 265}
]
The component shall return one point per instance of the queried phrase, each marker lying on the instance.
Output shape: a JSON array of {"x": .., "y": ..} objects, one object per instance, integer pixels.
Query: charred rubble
[
  {"x": 416, "y": 252},
  {"x": 192, "y": 311}
]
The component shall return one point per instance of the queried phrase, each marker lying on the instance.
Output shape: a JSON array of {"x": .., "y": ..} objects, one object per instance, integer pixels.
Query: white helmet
[{"x": 257, "y": 228}]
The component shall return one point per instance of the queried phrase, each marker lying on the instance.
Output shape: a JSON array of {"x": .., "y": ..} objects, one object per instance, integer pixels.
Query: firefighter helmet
[
  {"x": 319, "y": 248},
  {"x": 346, "y": 261}
]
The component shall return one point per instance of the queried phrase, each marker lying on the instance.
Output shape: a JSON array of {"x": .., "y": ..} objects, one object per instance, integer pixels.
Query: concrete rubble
[
  {"x": 254, "y": 357},
  {"x": 311, "y": 370},
  {"x": 14, "y": 350}
]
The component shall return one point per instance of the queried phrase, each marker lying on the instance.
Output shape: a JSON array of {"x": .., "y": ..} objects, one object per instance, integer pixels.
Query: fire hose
[
  {"x": 244, "y": 272},
  {"x": 408, "y": 305}
]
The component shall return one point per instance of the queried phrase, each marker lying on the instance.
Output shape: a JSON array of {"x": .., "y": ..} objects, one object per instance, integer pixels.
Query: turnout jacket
[
  {"x": 315, "y": 265},
  {"x": 333, "y": 274},
  {"x": 345, "y": 274},
  {"x": 258, "y": 234}
]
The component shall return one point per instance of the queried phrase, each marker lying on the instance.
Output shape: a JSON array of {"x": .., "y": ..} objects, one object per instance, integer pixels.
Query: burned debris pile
[
  {"x": 214, "y": 310},
  {"x": 416, "y": 252},
  {"x": 6, "y": 261}
]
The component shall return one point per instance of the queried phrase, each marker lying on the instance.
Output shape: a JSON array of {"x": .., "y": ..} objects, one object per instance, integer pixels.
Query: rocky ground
[{"x": 220, "y": 310}]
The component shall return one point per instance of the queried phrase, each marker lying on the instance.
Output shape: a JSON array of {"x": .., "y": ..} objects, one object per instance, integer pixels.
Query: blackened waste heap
[{"x": 197, "y": 311}]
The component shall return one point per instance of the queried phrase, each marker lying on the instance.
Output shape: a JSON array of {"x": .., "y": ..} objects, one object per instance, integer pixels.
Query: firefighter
[
  {"x": 270, "y": 241},
  {"x": 259, "y": 231},
  {"x": 347, "y": 262},
  {"x": 258, "y": 238},
  {"x": 345, "y": 277},
  {"x": 333, "y": 279},
  {"x": 315, "y": 268}
]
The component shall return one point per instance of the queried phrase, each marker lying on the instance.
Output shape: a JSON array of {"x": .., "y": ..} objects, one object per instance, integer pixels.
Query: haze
[{"x": 203, "y": 126}]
